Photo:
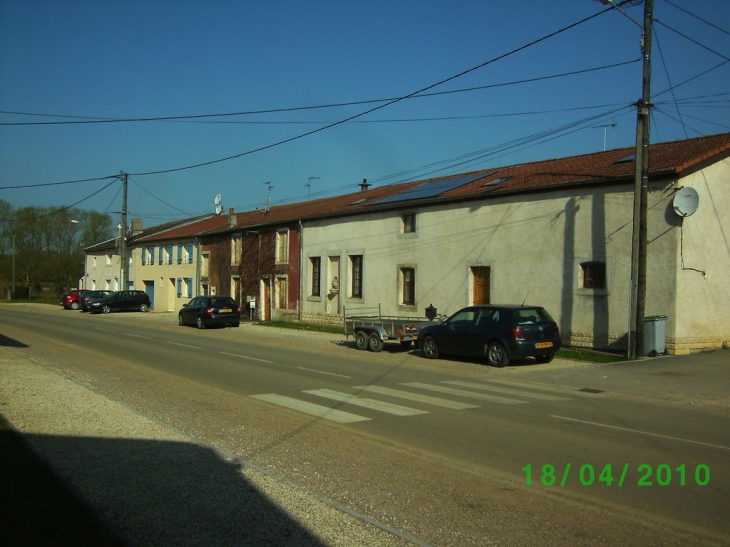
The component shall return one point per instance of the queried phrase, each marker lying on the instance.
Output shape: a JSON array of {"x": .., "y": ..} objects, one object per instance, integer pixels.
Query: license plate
[
  {"x": 228, "y": 310},
  {"x": 544, "y": 345}
]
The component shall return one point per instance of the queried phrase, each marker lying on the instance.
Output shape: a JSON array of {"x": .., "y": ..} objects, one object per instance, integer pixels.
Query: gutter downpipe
[{"x": 301, "y": 269}]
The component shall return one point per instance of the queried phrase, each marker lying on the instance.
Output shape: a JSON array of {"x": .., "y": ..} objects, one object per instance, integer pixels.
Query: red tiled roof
[{"x": 669, "y": 157}]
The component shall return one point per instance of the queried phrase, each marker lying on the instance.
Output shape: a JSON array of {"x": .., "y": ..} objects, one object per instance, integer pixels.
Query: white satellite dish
[
  {"x": 218, "y": 198},
  {"x": 686, "y": 201},
  {"x": 218, "y": 209}
]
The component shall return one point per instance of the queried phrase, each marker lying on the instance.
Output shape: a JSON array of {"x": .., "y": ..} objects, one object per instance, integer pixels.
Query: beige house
[{"x": 555, "y": 233}]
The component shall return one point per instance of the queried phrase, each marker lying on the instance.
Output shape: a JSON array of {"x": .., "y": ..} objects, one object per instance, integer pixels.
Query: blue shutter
[
  {"x": 169, "y": 253},
  {"x": 152, "y": 254},
  {"x": 190, "y": 253},
  {"x": 161, "y": 255},
  {"x": 179, "y": 287},
  {"x": 179, "y": 253},
  {"x": 144, "y": 256},
  {"x": 190, "y": 287}
]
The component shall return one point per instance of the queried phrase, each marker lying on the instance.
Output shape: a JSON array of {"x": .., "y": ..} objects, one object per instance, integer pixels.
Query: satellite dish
[
  {"x": 686, "y": 201},
  {"x": 218, "y": 209},
  {"x": 217, "y": 199}
]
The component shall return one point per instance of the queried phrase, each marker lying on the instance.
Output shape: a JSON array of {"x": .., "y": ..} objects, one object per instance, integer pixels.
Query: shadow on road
[{"x": 171, "y": 493}]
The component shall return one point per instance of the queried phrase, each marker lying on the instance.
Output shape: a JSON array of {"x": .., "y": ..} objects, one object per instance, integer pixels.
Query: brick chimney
[
  {"x": 364, "y": 185},
  {"x": 232, "y": 220}
]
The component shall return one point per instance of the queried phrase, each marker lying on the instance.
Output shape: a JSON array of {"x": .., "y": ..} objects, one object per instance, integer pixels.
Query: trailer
[{"x": 372, "y": 330}]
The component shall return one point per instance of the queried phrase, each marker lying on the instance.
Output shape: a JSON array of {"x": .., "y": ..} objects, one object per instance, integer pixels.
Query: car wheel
[
  {"x": 545, "y": 358},
  {"x": 375, "y": 343},
  {"x": 199, "y": 323},
  {"x": 180, "y": 320},
  {"x": 361, "y": 340},
  {"x": 74, "y": 305},
  {"x": 497, "y": 355},
  {"x": 144, "y": 308},
  {"x": 106, "y": 308},
  {"x": 430, "y": 348}
]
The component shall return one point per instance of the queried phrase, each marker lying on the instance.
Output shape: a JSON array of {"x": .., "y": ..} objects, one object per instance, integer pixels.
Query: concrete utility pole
[
  {"x": 124, "y": 273},
  {"x": 641, "y": 191}
]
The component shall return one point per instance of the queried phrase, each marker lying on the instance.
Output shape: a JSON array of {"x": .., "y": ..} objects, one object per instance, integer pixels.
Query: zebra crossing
[{"x": 421, "y": 393}]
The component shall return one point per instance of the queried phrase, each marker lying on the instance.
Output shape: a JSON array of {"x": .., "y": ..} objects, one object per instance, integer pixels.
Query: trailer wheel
[
  {"x": 375, "y": 343},
  {"x": 361, "y": 340}
]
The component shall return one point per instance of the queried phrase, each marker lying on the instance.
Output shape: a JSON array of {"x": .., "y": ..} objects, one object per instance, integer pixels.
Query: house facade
[{"x": 555, "y": 233}]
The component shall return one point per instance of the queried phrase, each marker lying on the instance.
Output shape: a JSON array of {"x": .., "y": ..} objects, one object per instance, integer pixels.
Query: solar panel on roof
[{"x": 430, "y": 189}]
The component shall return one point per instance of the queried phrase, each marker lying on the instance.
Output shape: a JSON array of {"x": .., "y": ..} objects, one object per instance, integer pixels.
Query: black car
[
  {"x": 121, "y": 301},
  {"x": 205, "y": 311},
  {"x": 85, "y": 300},
  {"x": 499, "y": 333}
]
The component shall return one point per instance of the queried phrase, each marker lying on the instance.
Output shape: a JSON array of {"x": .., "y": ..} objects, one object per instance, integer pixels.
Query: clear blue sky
[{"x": 83, "y": 60}]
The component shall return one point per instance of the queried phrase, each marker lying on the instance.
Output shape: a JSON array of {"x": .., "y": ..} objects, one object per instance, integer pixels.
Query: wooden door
[{"x": 480, "y": 276}]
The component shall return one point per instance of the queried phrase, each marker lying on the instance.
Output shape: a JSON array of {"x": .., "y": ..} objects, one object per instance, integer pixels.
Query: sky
[{"x": 297, "y": 100}]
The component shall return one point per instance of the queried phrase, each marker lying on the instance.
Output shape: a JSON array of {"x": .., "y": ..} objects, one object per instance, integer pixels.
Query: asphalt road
[{"x": 635, "y": 451}]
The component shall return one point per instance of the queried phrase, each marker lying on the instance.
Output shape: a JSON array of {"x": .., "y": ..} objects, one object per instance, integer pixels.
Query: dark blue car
[
  {"x": 497, "y": 332},
  {"x": 207, "y": 311}
]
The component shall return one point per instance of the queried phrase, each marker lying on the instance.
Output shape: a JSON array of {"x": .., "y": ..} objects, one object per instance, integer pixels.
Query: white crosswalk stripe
[
  {"x": 320, "y": 411},
  {"x": 508, "y": 391},
  {"x": 428, "y": 399},
  {"x": 372, "y": 404},
  {"x": 475, "y": 391},
  {"x": 464, "y": 393}
]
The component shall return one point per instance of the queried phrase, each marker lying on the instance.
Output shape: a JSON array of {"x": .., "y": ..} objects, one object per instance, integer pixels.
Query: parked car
[
  {"x": 206, "y": 311},
  {"x": 121, "y": 301},
  {"x": 87, "y": 298},
  {"x": 499, "y": 333},
  {"x": 71, "y": 299}
]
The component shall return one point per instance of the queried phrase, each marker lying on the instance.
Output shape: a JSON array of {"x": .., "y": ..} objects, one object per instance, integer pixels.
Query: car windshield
[{"x": 222, "y": 302}]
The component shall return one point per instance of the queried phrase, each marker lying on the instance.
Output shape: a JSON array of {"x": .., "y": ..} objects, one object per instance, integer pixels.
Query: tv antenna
[
  {"x": 218, "y": 206},
  {"x": 268, "y": 199},
  {"x": 605, "y": 125},
  {"x": 309, "y": 184}
]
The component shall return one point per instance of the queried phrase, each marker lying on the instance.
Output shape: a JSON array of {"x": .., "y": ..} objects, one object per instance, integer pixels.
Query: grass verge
[{"x": 37, "y": 507}]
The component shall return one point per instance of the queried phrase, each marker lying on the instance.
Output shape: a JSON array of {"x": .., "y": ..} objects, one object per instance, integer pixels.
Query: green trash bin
[{"x": 655, "y": 335}]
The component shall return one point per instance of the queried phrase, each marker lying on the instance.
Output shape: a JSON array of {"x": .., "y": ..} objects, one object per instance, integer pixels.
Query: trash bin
[{"x": 655, "y": 335}]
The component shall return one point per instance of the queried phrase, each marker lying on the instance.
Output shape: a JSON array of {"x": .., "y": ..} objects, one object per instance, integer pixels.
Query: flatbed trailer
[{"x": 372, "y": 330}]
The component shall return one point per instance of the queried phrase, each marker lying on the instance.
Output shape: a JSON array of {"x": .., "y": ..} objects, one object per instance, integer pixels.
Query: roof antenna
[
  {"x": 268, "y": 199},
  {"x": 523, "y": 302}
]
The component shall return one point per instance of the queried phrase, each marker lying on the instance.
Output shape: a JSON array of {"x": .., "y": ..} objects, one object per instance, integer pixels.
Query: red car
[{"x": 71, "y": 300}]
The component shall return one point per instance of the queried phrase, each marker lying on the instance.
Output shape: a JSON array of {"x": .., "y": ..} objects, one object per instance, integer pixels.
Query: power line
[{"x": 97, "y": 120}]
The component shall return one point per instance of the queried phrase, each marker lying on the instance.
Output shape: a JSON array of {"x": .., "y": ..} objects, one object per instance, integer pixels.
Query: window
[
  {"x": 593, "y": 275},
  {"x": 108, "y": 259},
  {"x": 409, "y": 224},
  {"x": 316, "y": 275},
  {"x": 236, "y": 249},
  {"x": 282, "y": 247},
  {"x": 408, "y": 286},
  {"x": 356, "y": 276}
]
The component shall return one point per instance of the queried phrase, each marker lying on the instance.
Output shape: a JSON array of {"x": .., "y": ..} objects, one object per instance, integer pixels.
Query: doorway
[{"x": 481, "y": 285}]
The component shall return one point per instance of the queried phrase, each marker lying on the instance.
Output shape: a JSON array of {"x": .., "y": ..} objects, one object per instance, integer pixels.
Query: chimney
[
  {"x": 232, "y": 221},
  {"x": 136, "y": 226},
  {"x": 364, "y": 185}
]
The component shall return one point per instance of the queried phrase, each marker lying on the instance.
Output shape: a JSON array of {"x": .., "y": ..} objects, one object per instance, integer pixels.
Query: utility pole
[
  {"x": 124, "y": 273},
  {"x": 641, "y": 192}
]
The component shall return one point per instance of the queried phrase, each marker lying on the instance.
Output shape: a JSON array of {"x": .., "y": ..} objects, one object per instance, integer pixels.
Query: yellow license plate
[
  {"x": 225, "y": 310},
  {"x": 544, "y": 345}
]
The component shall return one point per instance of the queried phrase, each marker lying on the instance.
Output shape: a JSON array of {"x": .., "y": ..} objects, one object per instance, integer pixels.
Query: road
[{"x": 451, "y": 452}]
